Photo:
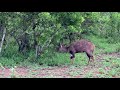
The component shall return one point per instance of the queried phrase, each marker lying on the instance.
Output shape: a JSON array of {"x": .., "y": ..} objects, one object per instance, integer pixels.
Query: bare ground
[{"x": 69, "y": 71}]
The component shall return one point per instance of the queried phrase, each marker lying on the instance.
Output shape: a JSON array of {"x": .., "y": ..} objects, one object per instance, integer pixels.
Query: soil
[{"x": 70, "y": 71}]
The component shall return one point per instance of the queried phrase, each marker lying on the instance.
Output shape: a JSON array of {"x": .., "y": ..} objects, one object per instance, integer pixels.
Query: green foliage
[
  {"x": 50, "y": 29},
  {"x": 7, "y": 62},
  {"x": 55, "y": 60}
]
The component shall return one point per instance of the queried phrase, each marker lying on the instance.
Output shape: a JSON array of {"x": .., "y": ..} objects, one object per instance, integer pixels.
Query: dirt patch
[
  {"x": 114, "y": 55},
  {"x": 5, "y": 73},
  {"x": 61, "y": 72}
]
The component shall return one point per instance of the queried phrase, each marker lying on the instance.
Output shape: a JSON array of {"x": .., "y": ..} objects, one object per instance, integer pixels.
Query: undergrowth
[{"x": 11, "y": 56}]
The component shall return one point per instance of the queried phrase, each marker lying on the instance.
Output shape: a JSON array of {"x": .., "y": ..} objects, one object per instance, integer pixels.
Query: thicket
[{"x": 29, "y": 35}]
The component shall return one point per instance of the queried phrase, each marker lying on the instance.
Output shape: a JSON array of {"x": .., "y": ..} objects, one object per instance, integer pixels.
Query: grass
[
  {"x": 110, "y": 66},
  {"x": 102, "y": 45},
  {"x": 11, "y": 57},
  {"x": 89, "y": 75}
]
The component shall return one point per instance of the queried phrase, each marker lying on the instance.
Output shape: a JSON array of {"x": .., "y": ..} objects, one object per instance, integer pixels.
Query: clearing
[{"x": 105, "y": 65}]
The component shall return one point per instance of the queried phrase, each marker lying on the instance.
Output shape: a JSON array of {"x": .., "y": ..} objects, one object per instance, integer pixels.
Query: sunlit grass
[{"x": 109, "y": 66}]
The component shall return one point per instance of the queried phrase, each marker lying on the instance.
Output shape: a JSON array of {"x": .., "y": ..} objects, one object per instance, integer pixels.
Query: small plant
[
  {"x": 1, "y": 66},
  {"x": 74, "y": 73},
  {"x": 13, "y": 72},
  {"x": 89, "y": 75},
  {"x": 101, "y": 71},
  {"x": 112, "y": 72}
]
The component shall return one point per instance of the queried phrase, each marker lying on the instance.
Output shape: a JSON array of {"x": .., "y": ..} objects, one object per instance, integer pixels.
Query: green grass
[
  {"x": 7, "y": 62},
  {"x": 59, "y": 59},
  {"x": 11, "y": 58},
  {"x": 102, "y": 45}
]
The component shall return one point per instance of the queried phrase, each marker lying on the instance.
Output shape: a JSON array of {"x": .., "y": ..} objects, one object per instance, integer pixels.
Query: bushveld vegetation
[{"x": 32, "y": 39}]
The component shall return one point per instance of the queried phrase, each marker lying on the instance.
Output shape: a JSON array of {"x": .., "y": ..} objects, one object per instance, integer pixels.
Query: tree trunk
[
  {"x": 34, "y": 34},
  {"x": 4, "y": 32}
]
